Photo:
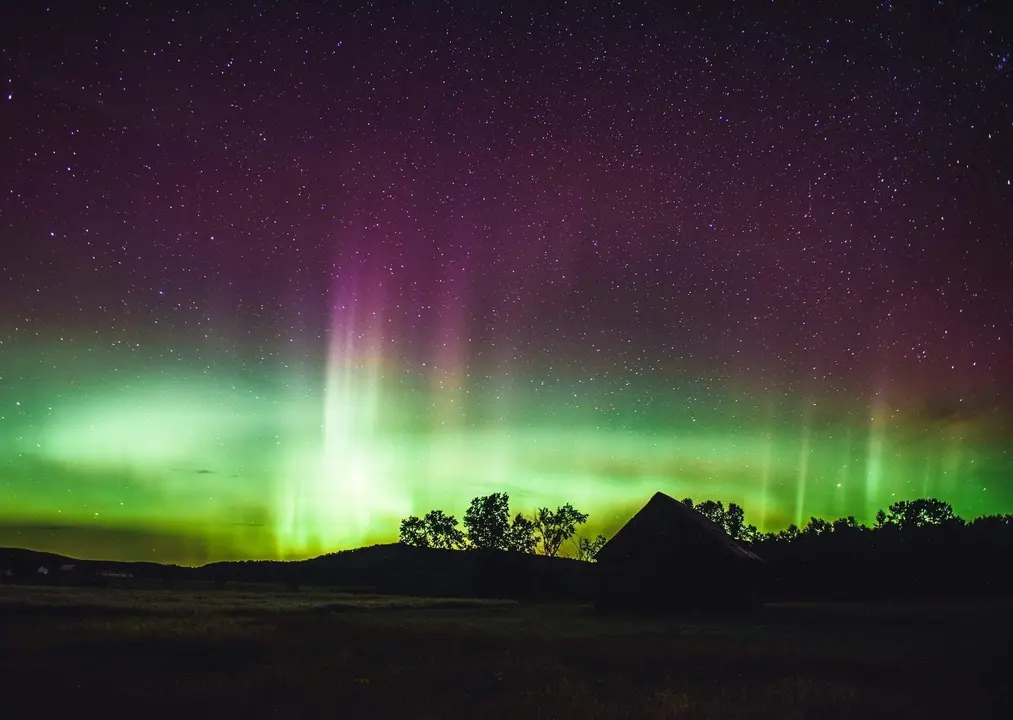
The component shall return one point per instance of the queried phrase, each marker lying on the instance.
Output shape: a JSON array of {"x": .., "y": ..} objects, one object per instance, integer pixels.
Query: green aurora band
[{"x": 187, "y": 464}]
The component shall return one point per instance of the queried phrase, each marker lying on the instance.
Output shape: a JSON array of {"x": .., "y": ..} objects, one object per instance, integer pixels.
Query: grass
[{"x": 252, "y": 652}]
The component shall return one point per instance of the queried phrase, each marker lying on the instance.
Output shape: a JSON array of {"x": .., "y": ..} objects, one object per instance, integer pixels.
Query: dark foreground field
[{"x": 255, "y": 653}]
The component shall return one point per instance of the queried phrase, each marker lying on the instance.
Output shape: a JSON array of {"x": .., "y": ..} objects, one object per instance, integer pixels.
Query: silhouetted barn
[{"x": 669, "y": 557}]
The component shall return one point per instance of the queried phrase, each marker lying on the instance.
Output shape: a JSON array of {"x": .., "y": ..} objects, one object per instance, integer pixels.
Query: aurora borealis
[{"x": 272, "y": 278}]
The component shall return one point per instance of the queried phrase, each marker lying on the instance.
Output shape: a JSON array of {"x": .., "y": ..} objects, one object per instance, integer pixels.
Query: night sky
[{"x": 275, "y": 275}]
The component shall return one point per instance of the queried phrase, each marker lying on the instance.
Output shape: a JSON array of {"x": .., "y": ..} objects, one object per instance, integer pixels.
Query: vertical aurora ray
[
  {"x": 926, "y": 476},
  {"x": 953, "y": 465},
  {"x": 346, "y": 487},
  {"x": 802, "y": 474},
  {"x": 447, "y": 389},
  {"x": 874, "y": 456},
  {"x": 766, "y": 470},
  {"x": 841, "y": 508}
]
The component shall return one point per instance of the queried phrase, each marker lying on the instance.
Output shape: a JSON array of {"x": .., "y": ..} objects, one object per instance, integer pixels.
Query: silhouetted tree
[
  {"x": 587, "y": 549},
  {"x": 442, "y": 530},
  {"x": 789, "y": 534},
  {"x": 413, "y": 532},
  {"x": 487, "y": 521},
  {"x": 435, "y": 530},
  {"x": 521, "y": 535},
  {"x": 712, "y": 510},
  {"x": 880, "y": 519},
  {"x": 750, "y": 535},
  {"x": 732, "y": 519},
  {"x": 816, "y": 527},
  {"x": 907, "y": 515},
  {"x": 555, "y": 528},
  {"x": 847, "y": 524}
]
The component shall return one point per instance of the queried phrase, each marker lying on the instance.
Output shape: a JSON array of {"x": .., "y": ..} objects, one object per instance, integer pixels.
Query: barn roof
[{"x": 655, "y": 527}]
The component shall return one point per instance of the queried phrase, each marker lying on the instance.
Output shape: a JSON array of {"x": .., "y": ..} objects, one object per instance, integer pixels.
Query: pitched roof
[{"x": 653, "y": 526}]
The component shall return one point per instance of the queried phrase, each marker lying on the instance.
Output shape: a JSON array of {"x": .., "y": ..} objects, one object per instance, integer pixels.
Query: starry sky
[{"x": 275, "y": 275}]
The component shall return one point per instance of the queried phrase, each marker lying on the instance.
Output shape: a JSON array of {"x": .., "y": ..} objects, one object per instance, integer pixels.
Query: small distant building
[
  {"x": 68, "y": 568},
  {"x": 669, "y": 557},
  {"x": 119, "y": 574},
  {"x": 43, "y": 570}
]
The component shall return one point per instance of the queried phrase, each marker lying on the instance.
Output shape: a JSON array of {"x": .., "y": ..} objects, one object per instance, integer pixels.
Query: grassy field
[{"x": 255, "y": 652}]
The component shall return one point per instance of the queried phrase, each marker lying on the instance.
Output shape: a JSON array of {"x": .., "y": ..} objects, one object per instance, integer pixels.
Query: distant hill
[
  {"x": 391, "y": 569},
  {"x": 401, "y": 569},
  {"x": 23, "y": 562}
]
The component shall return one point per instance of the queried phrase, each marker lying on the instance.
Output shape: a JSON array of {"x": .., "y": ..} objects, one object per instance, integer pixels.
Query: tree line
[
  {"x": 488, "y": 526},
  {"x": 905, "y": 520}
]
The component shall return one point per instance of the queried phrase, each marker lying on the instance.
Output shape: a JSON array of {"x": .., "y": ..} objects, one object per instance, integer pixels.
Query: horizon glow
[{"x": 270, "y": 467}]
